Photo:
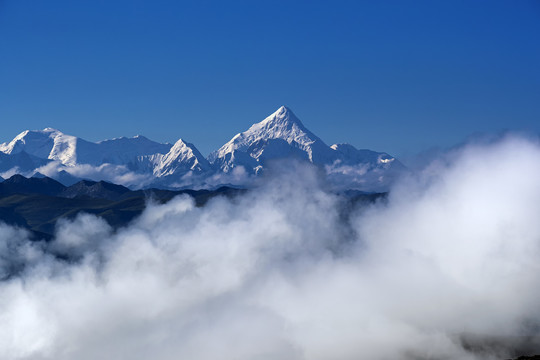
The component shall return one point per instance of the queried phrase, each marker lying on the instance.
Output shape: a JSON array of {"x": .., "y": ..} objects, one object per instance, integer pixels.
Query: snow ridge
[{"x": 182, "y": 158}]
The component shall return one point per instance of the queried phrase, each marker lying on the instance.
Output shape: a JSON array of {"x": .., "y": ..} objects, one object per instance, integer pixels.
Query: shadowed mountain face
[
  {"x": 21, "y": 161},
  {"x": 18, "y": 184}
]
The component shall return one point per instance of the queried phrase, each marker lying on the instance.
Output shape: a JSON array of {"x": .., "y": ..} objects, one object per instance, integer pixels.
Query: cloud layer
[{"x": 446, "y": 268}]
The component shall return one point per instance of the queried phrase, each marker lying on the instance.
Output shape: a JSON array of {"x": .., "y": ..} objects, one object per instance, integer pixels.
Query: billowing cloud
[{"x": 445, "y": 268}]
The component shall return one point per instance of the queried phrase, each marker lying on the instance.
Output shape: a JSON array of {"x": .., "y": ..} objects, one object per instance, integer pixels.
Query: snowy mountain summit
[
  {"x": 139, "y": 162},
  {"x": 48, "y": 143},
  {"x": 282, "y": 125},
  {"x": 182, "y": 158},
  {"x": 52, "y": 144},
  {"x": 282, "y": 135}
]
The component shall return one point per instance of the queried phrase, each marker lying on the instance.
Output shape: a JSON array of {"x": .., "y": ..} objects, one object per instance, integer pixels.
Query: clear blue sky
[{"x": 395, "y": 76}]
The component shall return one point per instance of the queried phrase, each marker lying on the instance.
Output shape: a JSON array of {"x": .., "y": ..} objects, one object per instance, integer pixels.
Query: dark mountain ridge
[
  {"x": 18, "y": 184},
  {"x": 93, "y": 189},
  {"x": 37, "y": 203}
]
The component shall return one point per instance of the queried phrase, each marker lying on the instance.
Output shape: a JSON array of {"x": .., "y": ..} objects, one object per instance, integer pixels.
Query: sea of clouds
[{"x": 447, "y": 267}]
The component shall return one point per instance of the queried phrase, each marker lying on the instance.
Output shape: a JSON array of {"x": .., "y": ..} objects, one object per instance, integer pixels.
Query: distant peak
[
  {"x": 38, "y": 175},
  {"x": 47, "y": 131},
  {"x": 282, "y": 111},
  {"x": 51, "y": 131},
  {"x": 182, "y": 146},
  {"x": 283, "y": 115},
  {"x": 180, "y": 143},
  {"x": 17, "y": 178}
]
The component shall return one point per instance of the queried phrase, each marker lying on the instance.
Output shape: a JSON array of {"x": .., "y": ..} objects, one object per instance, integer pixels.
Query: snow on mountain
[
  {"x": 349, "y": 155},
  {"x": 123, "y": 150},
  {"x": 280, "y": 135},
  {"x": 45, "y": 144},
  {"x": 70, "y": 150},
  {"x": 139, "y": 162},
  {"x": 181, "y": 159},
  {"x": 129, "y": 161}
]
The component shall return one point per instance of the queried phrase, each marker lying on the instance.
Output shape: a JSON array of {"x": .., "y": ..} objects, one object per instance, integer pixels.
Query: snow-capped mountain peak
[
  {"x": 282, "y": 124},
  {"x": 139, "y": 161},
  {"x": 48, "y": 143},
  {"x": 281, "y": 134},
  {"x": 182, "y": 157},
  {"x": 281, "y": 117},
  {"x": 52, "y": 144}
]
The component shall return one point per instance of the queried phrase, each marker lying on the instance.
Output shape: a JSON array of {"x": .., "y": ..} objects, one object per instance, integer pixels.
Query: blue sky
[{"x": 395, "y": 76}]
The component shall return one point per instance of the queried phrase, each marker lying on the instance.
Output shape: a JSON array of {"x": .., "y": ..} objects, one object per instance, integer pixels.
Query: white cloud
[
  {"x": 117, "y": 174},
  {"x": 283, "y": 273}
]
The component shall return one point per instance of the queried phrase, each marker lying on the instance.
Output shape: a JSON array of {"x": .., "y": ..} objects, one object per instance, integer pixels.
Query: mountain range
[
  {"x": 139, "y": 162},
  {"x": 37, "y": 203}
]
